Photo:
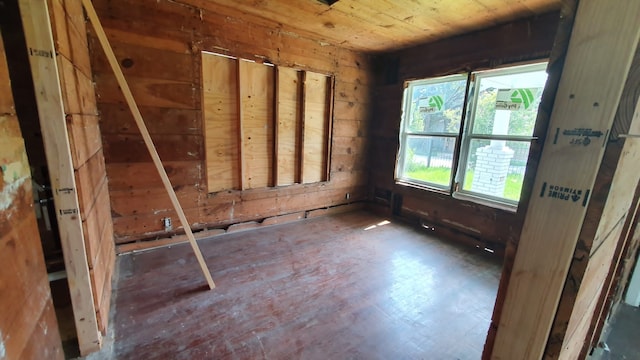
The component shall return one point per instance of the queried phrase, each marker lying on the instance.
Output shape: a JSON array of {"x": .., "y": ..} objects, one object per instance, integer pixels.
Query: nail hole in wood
[{"x": 127, "y": 63}]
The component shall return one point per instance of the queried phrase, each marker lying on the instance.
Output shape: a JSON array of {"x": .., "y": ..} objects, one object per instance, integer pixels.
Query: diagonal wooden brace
[{"x": 122, "y": 82}]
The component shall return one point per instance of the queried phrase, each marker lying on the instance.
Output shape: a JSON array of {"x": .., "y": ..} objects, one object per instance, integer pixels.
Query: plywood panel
[
  {"x": 256, "y": 103},
  {"x": 178, "y": 127},
  {"x": 315, "y": 127},
  {"x": 220, "y": 111},
  {"x": 288, "y": 115}
]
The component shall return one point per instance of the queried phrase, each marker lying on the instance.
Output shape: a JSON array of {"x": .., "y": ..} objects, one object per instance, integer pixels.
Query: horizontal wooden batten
[
  {"x": 223, "y": 214},
  {"x": 173, "y": 107},
  {"x": 139, "y": 175},
  {"x": 149, "y": 92},
  {"x": 129, "y": 148},
  {"x": 146, "y": 35},
  {"x": 130, "y": 202},
  {"x": 166, "y": 121},
  {"x": 164, "y": 14},
  {"x": 215, "y": 232},
  {"x": 148, "y": 62},
  {"x": 206, "y": 233}
]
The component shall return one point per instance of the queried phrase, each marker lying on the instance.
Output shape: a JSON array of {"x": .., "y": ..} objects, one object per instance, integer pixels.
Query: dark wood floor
[{"x": 325, "y": 288}]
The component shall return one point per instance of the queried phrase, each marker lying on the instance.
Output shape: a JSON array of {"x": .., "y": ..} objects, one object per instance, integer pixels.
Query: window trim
[
  {"x": 463, "y": 137},
  {"x": 406, "y": 112},
  {"x": 468, "y": 135}
]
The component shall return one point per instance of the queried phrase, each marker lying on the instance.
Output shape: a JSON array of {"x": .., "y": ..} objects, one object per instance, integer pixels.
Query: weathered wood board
[
  {"x": 220, "y": 115},
  {"x": 256, "y": 102},
  {"x": 288, "y": 117},
  {"x": 174, "y": 109},
  {"x": 315, "y": 127}
]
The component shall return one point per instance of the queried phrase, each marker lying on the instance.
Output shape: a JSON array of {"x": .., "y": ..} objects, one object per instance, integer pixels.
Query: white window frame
[
  {"x": 405, "y": 133},
  {"x": 463, "y": 137}
]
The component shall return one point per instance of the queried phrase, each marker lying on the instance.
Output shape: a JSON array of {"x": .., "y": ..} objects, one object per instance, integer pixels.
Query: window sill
[
  {"x": 420, "y": 186},
  {"x": 462, "y": 196},
  {"x": 486, "y": 202}
]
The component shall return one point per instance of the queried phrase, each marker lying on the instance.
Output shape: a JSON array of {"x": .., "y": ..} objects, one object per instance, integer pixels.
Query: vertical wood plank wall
[
  {"x": 70, "y": 36},
  {"x": 28, "y": 325},
  {"x": 159, "y": 44},
  {"x": 256, "y": 108},
  {"x": 264, "y": 124},
  {"x": 288, "y": 115},
  {"x": 220, "y": 90},
  {"x": 524, "y": 40},
  {"x": 315, "y": 125}
]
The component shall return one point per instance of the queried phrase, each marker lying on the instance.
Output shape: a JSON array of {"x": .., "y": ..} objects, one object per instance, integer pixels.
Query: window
[
  {"x": 264, "y": 125},
  {"x": 478, "y": 151}
]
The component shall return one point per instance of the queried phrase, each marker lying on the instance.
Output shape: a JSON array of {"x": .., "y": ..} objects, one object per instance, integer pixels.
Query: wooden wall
[
  {"x": 28, "y": 326},
  {"x": 485, "y": 226},
  {"x": 159, "y": 44},
  {"x": 81, "y": 113}
]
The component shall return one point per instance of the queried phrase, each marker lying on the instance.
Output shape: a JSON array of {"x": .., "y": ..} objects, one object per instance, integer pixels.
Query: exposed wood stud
[
  {"x": 303, "y": 96},
  {"x": 548, "y": 241},
  {"x": 276, "y": 126},
  {"x": 241, "y": 154},
  {"x": 37, "y": 29}
]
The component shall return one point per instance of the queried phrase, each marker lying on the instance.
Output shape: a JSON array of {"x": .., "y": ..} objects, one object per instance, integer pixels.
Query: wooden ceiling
[{"x": 383, "y": 25}]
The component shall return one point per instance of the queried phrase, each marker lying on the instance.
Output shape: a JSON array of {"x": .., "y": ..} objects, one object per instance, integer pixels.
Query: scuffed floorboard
[{"x": 332, "y": 287}]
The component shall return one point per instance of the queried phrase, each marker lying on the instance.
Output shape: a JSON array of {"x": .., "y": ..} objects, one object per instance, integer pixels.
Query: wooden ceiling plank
[{"x": 377, "y": 25}]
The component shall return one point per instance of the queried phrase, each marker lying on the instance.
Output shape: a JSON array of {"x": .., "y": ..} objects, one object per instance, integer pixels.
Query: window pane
[
  {"x": 496, "y": 168},
  {"x": 507, "y": 104},
  {"x": 436, "y": 106},
  {"x": 429, "y": 159}
]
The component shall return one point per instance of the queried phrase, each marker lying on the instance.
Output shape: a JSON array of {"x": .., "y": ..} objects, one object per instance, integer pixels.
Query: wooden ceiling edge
[
  {"x": 263, "y": 21},
  {"x": 552, "y": 13},
  {"x": 288, "y": 30}
]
